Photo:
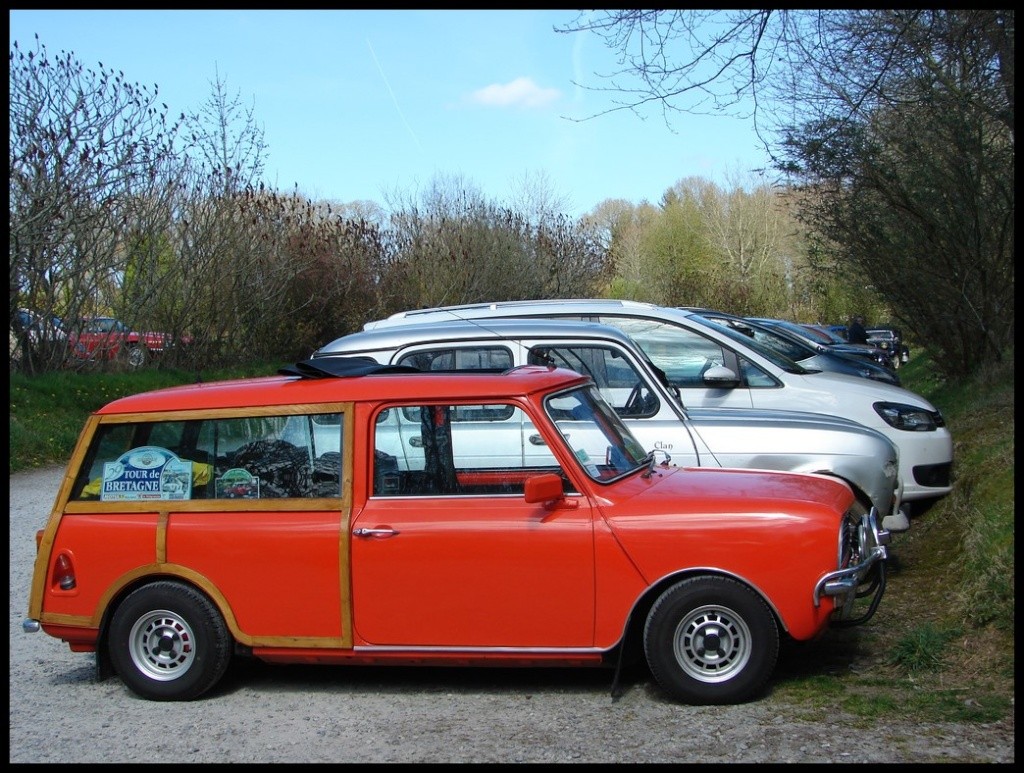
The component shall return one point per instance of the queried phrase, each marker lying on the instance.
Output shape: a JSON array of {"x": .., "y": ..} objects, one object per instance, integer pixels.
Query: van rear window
[{"x": 249, "y": 457}]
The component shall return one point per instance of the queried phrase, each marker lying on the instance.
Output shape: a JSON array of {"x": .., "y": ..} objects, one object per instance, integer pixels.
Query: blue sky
[{"x": 375, "y": 105}]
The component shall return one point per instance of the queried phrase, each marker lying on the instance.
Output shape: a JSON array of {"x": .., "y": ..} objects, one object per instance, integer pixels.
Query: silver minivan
[
  {"x": 717, "y": 367},
  {"x": 641, "y": 395}
]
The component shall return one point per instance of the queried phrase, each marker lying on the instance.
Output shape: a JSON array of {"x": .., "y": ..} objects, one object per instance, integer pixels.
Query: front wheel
[
  {"x": 711, "y": 640},
  {"x": 169, "y": 642},
  {"x": 136, "y": 356}
]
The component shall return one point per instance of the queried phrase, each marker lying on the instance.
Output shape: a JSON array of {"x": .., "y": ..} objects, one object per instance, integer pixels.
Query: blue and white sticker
[{"x": 146, "y": 473}]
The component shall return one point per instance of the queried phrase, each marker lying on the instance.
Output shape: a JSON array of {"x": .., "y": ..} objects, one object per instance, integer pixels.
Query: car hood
[
  {"x": 728, "y": 512},
  {"x": 856, "y": 349},
  {"x": 850, "y": 364},
  {"x": 838, "y": 387}
]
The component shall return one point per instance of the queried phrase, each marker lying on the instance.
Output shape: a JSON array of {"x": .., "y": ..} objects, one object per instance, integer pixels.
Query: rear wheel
[
  {"x": 168, "y": 641},
  {"x": 711, "y": 640}
]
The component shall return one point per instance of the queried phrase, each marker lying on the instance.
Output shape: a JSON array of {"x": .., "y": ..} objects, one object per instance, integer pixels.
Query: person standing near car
[{"x": 856, "y": 333}]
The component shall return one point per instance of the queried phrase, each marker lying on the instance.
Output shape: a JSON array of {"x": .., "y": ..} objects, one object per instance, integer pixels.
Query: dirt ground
[{"x": 59, "y": 713}]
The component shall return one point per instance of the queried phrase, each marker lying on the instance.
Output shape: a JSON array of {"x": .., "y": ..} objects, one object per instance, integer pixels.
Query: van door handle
[
  {"x": 381, "y": 533},
  {"x": 416, "y": 442},
  {"x": 537, "y": 440}
]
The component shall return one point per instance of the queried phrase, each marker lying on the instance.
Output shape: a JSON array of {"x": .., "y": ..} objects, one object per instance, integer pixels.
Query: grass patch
[
  {"x": 922, "y": 649},
  {"x": 48, "y": 411}
]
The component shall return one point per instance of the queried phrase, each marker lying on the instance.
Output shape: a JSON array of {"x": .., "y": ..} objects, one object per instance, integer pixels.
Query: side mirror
[
  {"x": 720, "y": 376},
  {"x": 543, "y": 488}
]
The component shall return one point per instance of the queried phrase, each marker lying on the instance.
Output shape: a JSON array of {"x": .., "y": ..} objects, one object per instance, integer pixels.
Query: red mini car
[{"x": 280, "y": 518}]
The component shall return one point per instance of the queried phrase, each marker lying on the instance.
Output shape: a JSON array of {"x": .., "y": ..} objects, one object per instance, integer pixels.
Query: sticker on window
[
  {"x": 146, "y": 473},
  {"x": 237, "y": 483}
]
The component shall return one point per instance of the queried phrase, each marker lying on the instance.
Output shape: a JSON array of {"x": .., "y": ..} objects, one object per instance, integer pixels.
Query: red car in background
[{"x": 107, "y": 338}]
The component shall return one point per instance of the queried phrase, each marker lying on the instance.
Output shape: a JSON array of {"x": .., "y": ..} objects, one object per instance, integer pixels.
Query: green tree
[{"x": 919, "y": 194}]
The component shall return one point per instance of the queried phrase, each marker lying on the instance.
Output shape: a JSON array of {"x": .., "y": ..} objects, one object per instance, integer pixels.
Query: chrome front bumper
[{"x": 865, "y": 578}]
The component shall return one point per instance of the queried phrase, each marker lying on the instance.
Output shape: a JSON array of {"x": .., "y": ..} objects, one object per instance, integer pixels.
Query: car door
[{"x": 456, "y": 569}]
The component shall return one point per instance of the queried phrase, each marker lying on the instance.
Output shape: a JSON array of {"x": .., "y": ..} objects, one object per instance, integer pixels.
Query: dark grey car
[{"x": 810, "y": 355}]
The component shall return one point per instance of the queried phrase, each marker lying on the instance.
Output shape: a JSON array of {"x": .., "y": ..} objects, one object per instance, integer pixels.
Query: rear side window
[
  {"x": 489, "y": 358},
  {"x": 251, "y": 457},
  {"x": 492, "y": 358}
]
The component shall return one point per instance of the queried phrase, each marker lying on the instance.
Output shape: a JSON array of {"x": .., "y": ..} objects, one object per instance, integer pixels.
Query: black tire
[
  {"x": 168, "y": 642},
  {"x": 711, "y": 640},
  {"x": 136, "y": 356}
]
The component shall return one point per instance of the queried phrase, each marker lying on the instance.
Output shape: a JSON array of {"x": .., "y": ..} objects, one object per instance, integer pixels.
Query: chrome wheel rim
[
  {"x": 162, "y": 645},
  {"x": 712, "y": 643}
]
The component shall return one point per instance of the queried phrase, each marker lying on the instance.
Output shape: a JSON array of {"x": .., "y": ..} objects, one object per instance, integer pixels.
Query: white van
[
  {"x": 632, "y": 385},
  {"x": 716, "y": 367}
]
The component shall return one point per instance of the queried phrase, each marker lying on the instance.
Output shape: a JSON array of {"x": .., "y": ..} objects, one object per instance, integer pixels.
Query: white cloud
[{"x": 522, "y": 92}]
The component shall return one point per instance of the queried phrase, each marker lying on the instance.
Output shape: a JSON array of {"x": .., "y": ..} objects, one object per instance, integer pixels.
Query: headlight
[{"x": 909, "y": 417}]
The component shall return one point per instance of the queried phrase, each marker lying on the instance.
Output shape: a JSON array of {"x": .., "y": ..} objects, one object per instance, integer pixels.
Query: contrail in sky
[{"x": 392, "y": 93}]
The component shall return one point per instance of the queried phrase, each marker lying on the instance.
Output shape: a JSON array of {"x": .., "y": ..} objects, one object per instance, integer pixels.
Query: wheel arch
[
  {"x": 853, "y": 476},
  {"x": 146, "y": 576},
  {"x": 632, "y": 636}
]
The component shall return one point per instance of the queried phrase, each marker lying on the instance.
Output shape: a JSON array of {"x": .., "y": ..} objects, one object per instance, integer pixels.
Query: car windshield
[
  {"x": 825, "y": 335},
  {"x": 603, "y": 445},
  {"x": 772, "y": 355},
  {"x": 794, "y": 348}
]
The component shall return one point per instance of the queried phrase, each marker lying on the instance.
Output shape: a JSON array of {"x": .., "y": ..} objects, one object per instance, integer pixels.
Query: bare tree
[
  {"x": 783, "y": 68},
  {"x": 620, "y": 226},
  {"x": 535, "y": 196},
  {"x": 225, "y": 139},
  {"x": 454, "y": 246},
  {"x": 88, "y": 154}
]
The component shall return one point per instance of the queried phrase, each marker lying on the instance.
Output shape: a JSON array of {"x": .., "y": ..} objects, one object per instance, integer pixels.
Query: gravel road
[{"x": 59, "y": 713}]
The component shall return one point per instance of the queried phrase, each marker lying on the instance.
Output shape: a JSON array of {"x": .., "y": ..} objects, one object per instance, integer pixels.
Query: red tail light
[{"x": 64, "y": 572}]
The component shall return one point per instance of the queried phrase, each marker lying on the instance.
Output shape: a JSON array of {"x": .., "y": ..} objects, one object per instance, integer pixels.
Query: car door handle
[
  {"x": 416, "y": 442},
  {"x": 380, "y": 533},
  {"x": 537, "y": 440}
]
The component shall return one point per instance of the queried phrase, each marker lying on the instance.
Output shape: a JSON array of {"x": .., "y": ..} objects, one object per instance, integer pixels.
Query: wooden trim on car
[{"x": 345, "y": 531}]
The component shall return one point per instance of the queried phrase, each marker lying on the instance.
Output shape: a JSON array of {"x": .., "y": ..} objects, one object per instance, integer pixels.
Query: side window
[
  {"x": 482, "y": 449},
  {"x": 684, "y": 355},
  {"x": 494, "y": 358},
  {"x": 254, "y": 457},
  {"x": 753, "y": 376},
  {"x": 620, "y": 383}
]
